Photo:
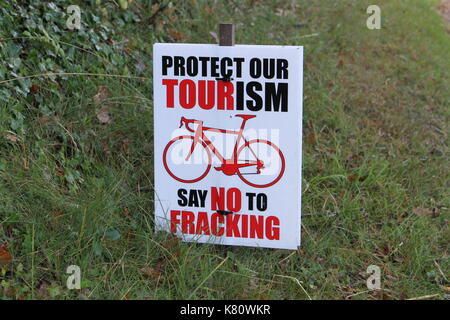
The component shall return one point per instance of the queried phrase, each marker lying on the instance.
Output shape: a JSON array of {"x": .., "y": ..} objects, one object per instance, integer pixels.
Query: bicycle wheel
[
  {"x": 183, "y": 168},
  {"x": 271, "y": 157}
]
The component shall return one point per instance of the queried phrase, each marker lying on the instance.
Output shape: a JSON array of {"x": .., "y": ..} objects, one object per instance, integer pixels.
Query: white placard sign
[{"x": 227, "y": 134}]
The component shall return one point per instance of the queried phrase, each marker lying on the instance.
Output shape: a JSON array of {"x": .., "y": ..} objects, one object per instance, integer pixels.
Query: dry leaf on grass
[
  {"x": 5, "y": 255},
  {"x": 103, "y": 115},
  {"x": 43, "y": 291},
  {"x": 12, "y": 138},
  {"x": 214, "y": 35},
  {"x": 208, "y": 10},
  {"x": 101, "y": 95},
  {"x": 426, "y": 211},
  {"x": 177, "y": 35},
  {"x": 9, "y": 292},
  {"x": 171, "y": 242},
  {"x": 421, "y": 211},
  {"x": 126, "y": 145},
  {"x": 44, "y": 120},
  {"x": 444, "y": 8},
  {"x": 55, "y": 216},
  {"x": 152, "y": 273},
  {"x": 311, "y": 138},
  {"x": 34, "y": 88}
]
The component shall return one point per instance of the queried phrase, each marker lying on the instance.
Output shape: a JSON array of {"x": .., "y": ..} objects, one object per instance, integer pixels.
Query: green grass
[{"x": 376, "y": 113}]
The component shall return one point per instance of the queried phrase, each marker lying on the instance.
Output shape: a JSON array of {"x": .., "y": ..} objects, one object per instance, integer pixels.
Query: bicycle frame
[{"x": 229, "y": 166}]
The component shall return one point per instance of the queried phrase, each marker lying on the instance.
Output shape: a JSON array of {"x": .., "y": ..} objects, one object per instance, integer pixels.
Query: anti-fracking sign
[{"x": 227, "y": 137}]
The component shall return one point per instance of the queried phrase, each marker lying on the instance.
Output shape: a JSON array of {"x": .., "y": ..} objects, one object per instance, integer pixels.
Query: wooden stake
[{"x": 226, "y": 34}]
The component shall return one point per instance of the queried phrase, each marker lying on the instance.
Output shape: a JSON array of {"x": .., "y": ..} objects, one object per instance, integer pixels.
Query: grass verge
[{"x": 76, "y": 153}]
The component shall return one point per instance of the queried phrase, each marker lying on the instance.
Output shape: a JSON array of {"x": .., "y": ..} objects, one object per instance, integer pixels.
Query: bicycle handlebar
[
  {"x": 181, "y": 121},
  {"x": 186, "y": 123}
]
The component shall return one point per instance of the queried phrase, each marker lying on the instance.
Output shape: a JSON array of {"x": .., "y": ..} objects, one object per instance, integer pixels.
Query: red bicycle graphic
[{"x": 188, "y": 158}]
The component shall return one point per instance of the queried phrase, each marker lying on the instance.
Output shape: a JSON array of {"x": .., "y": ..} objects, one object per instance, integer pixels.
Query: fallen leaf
[
  {"x": 176, "y": 255},
  {"x": 214, "y": 35},
  {"x": 34, "y": 88},
  {"x": 9, "y": 292},
  {"x": 177, "y": 35},
  {"x": 43, "y": 291},
  {"x": 101, "y": 95},
  {"x": 127, "y": 51},
  {"x": 279, "y": 12},
  {"x": 12, "y": 138},
  {"x": 171, "y": 242},
  {"x": 311, "y": 138},
  {"x": 155, "y": 7},
  {"x": 57, "y": 213},
  {"x": 44, "y": 120},
  {"x": 353, "y": 160},
  {"x": 152, "y": 273},
  {"x": 55, "y": 217},
  {"x": 5, "y": 255},
  {"x": 103, "y": 115},
  {"x": 341, "y": 57},
  {"x": 436, "y": 212},
  {"x": 423, "y": 211},
  {"x": 106, "y": 145},
  {"x": 126, "y": 145},
  {"x": 208, "y": 10},
  {"x": 169, "y": 10}
]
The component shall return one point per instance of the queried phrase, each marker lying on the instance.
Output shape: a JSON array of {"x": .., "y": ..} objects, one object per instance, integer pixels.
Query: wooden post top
[{"x": 226, "y": 34}]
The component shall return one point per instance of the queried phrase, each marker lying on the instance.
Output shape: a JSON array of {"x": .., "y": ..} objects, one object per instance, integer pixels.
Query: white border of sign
[{"x": 284, "y": 197}]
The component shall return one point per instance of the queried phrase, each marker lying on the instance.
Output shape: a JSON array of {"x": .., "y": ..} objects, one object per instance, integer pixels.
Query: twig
[
  {"x": 295, "y": 280},
  {"x": 71, "y": 137},
  {"x": 440, "y": 271},
  {"x": 424, "y": 297},
  {"x": 285, "y": 258},
  {"x": 310, "y": 35},
  {"x": 356, "y": 294},
  {"x": 124, "y": 297}
]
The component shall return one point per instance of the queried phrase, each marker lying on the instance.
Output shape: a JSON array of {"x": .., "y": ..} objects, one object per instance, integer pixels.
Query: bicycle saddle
[{"x": 245, "y": 116}]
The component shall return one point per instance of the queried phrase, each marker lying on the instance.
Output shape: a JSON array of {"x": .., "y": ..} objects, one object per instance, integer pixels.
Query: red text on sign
[{"x": 232, "y": 225}]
